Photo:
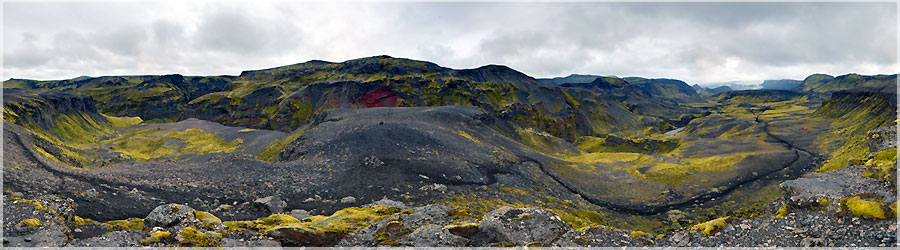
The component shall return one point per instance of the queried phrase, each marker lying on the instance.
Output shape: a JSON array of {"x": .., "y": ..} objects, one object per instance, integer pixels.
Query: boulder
[
  {"x": 300, "y": 214},
  {"x": 301, "y": 235},
  {"x": 882, "y": 138},
  {"x": 522, "y": 226},
  {"x": 388, "y": 203},
  {"x": 168, "y": 215},
  {"x": 348, "y": 199},
  {"x": 272, "y": 204}
]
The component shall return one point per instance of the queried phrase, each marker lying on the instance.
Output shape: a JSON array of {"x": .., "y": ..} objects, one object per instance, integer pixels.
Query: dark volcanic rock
[
  {"x": 523, "y": 226},
  {"x": 272, "y": 204},
  {"x": 167, "y": 215}
]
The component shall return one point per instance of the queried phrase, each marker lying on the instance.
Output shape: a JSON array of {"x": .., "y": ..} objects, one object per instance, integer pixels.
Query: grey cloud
[
  {"x": 236, "y": 32},
  {"x": 695, "y": 42},
  {"x": 124, "y": 40},
  {"x": 167, "y": 32}
]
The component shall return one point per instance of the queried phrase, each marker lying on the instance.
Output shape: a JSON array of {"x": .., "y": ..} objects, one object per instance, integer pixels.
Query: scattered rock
[
  {"x": 229, "y": 242},
  {"x": 813, "y": 242},
  {"x": 434, "y": 187},
  {"x": 348, "y": 199},
  {"x": 272, "y": 204},
  {"x": 300, "y": 214},
  {"x": 388, "y": 203},
  {"x": 433, "y": 236},
  {"x": 113, "y": 239}
]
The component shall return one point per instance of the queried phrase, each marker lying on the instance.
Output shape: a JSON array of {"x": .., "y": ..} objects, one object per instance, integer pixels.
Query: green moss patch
[
  {"x": 192, "y": 237},
  {"x": 872, "y": 208},
  {"x": 783, "y": 211},
  {"x": 710, "y": 226},
  {"x": 156, "y": 237},
  {"x": 882, "y": 165},
  {"x": 129, "y": 224},
  {"x": 30, "y": 223}
]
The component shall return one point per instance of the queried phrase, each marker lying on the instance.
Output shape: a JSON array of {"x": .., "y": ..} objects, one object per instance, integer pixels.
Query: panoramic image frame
[{"x": 449, "y": 124}]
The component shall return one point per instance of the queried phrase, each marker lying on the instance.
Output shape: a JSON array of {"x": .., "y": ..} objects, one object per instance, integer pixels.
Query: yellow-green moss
[
  {"x": 148, "y": 144},
  {"x": 121, "y": 122},
  {"x": 823, "y": 202},
  {"x": 155, "y": 238},
  {"x": 30, "y": 223},
  {"x": 129, "y": 224},
  {"x": 192, "y": 237},
  {"x": 82, "y": 221},
  {"x": 637, "y": 234},
  {"x": 871, "y": 209},
  {"x": 36, "y": 204},
  {"x": 893, "y": 208},
  {"x": 46, "y": 154},
  {"x": 352, "y": 218},
  {"x": 246, "y": 130},
  {"x": 708, "y": 227},
  {"x": 207, "y": 217},
  {"x": 467, "y": 136},
  {"x": 784, "y": 210},
  {"x": 271, "y": 151},
  {"x": 261, "y": 224},
  {"x": 461, "y": 224},
  {"x": 882, "y": 165}
]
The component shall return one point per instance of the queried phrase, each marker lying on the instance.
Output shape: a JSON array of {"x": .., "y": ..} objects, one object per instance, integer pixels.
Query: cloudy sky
[{"x": 694, "y": 42}]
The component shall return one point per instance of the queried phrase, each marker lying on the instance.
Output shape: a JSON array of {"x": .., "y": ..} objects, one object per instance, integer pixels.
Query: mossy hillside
[
  {"x": 611, "y": 143},
  {"x": 146, "y": 144},
  {"x": 757, "y": 96},
  {"x": 270, "y": 153},
  {"x": 153, "y": 98},
  {"x": 852, "y": 115},
  {"x": 70, "y": 125},
  {"x": 315, "y": 87},
  {"x": 826, "y": 83}
]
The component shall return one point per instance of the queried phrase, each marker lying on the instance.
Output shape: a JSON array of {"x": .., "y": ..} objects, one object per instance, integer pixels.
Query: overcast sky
[{"x": 694, "y": 42}]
